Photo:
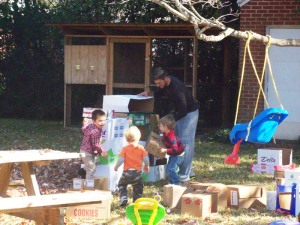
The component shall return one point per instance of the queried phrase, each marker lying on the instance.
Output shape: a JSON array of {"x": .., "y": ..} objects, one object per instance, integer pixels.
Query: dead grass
[{"x": 207, "y": 164}]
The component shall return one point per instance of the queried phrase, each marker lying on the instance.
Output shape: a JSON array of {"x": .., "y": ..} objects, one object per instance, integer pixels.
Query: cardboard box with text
[{"x": 246, "y": 196}]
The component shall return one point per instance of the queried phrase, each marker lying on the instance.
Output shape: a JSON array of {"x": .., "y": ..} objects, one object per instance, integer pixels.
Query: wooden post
[
  {"x": 195, "y": 68},
  {"x": 147, "y": 65},
  {"x": 225, "y": 91},
  {"x": 67, "y": 105},
  {"x": 109, "y": 87},
  {"x": 5, "y": 172},
  {"x": 186, "y": 60}
]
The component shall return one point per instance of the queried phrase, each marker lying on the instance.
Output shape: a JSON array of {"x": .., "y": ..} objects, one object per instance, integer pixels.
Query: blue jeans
[
  {"x": 185, "y": 129},
  {"x": 173, "y": 164}
]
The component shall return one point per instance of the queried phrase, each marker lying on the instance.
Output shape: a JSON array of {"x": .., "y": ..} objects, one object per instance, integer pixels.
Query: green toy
[{"x": 145, "y": 211}]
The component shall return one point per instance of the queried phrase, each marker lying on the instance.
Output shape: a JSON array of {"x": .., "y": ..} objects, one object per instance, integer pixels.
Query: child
[
  {"x": 133, "y": 155},
  {"x": 174, "y": 148},
  {"x": 91, "y": 143}
]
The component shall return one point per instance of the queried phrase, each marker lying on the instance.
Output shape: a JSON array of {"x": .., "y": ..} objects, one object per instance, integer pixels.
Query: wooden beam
[
  {"x": 149, "y": 31},
  {"x": 43, "y": 216},
  {"x": 28, "y": 203},
  {"x": 128, "y": 85},
  {"x": 106, "y": 30},
  {"x": 30, "y": 181},
  {"x": 195, "y": 68},
  {"x": 130, "y": 40},
  {"x": 67, "y": 105},
  {"x": 225, "y": 91},
  {"x": 5, "y": 174}
]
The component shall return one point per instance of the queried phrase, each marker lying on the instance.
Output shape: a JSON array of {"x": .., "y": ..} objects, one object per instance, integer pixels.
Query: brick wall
[{"x": 255, "y": 16}]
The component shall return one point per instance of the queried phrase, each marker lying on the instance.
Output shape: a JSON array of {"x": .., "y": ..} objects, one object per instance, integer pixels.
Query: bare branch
[{"x": 197, "y": 20}]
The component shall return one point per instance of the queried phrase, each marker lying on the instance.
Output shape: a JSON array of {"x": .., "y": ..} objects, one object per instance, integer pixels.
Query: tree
[{"x": 186, "y": 10}]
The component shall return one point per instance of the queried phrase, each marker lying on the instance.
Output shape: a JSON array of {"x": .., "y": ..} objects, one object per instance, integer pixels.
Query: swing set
[{"x": 261, "y": 128}]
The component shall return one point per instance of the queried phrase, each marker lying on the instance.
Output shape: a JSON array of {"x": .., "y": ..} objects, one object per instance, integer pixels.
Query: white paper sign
[
  {"x": 234, "y": 197},
  {"x": 77, "y": 184},
  {"x": 89, "y": 183}
]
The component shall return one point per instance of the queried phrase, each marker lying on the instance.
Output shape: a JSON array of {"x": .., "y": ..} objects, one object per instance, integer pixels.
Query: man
[{"x": 186, "y": 115}]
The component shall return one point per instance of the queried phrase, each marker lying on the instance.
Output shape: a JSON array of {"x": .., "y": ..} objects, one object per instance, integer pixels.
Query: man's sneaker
[{"x": 123, "y": 201}]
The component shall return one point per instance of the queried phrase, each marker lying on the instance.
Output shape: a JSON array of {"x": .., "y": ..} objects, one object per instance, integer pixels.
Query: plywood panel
[
  {"x": 75, "y": 60},
  {"x": 93, "y": 58},
  {"x": 102, "y": 64},
  {"x": 68, "y": 64},
  {"x": 84, "y": 64}
]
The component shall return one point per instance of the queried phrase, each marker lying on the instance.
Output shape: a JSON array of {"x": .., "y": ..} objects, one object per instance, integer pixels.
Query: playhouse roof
[{"x": 132, "y": 29}]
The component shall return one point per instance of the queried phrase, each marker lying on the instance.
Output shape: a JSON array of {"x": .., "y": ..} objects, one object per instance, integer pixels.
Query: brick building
[{"x": 278, "y": 19}]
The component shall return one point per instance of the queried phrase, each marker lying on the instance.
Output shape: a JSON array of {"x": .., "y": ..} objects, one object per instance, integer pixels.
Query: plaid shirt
[
  {"x": 173, "y": 143},
  {"x": 92, "y": 139}
]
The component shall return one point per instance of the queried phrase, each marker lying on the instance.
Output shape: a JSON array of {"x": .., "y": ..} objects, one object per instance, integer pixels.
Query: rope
[
  {"x": 242, "y": 76},
  {"x": 260, "y": 81}
]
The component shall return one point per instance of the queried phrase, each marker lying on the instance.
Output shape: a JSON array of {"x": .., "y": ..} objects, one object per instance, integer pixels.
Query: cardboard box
[
  {"x": 285, "y": 200},
  {"x": 279, "y": 174},
  {"x": 214, "y": 199},
  {"x": 270, "y": 169},
  {"x": 92, "y": 211},
  {"x": 271, "y": 200},
  {"x": 142, "y": 122},
  {"x": 246, "y": 196},
  {"x": 88, "y": 185},
  {"x": 269, "y": 157},
  {"x": 101, "y": 183},
  {"x": 154, "y": 144},
  {"x": 77, "y": 184},
  {"x": 107, "y": 171},
  {"x": 275, "y": 156},
  {"x": 128, "y": 103},
  {"x": 292, "y": 177},
  {"x": 88, "y": 111},
  {"x": 156, "y": 173},
  {"x": 196, "y": 204},
  {"x": 113, "y": 139},
  {"x": 173, "y": 193},
  {"x": 279, "y": 181},
  {"x": 219, "y": 188}
]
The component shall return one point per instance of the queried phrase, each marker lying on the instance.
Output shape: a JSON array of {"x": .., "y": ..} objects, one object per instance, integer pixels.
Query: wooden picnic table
[
  {"x": 28, "y": 158},
  {"x": 44, "y": 209}
]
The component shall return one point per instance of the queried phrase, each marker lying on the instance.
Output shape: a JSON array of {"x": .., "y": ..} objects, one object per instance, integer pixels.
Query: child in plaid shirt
[
  {"x": 174, "y": 148},
  {"x": 91, "y": 143}
]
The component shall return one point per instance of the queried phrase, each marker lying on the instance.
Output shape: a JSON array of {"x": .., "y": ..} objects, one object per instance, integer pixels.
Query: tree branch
[{"x": 197, "y": 20}]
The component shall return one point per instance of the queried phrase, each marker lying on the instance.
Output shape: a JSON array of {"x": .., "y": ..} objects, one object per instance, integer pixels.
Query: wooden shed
[{"x": 120, "y": 56}]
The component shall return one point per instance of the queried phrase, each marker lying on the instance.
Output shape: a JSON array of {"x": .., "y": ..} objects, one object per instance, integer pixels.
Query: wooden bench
[{"x": 45, "y": 209}]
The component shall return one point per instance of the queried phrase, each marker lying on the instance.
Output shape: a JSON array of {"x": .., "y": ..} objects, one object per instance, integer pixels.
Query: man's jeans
[
  {"x": 185, "y": 129},
  {"x": 173, "y": 164}
]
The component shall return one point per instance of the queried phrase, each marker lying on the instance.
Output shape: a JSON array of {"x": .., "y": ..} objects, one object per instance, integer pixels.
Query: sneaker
[
  {"x": 192, "y": 178},
  {"x": 123, "y": 201}
]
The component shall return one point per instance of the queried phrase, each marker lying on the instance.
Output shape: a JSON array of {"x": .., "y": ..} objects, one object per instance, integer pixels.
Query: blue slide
[{"x": 262, "y": 127}]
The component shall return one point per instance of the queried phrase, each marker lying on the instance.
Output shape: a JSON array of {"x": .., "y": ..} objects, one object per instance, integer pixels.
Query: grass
[{"x": 207, "y": 164}]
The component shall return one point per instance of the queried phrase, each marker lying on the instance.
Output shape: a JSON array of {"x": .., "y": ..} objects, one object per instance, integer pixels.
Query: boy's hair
[
  {"x": 168, "y": 121},
  {"x": 97, "y": 113},
  {"x": 159, "y": 73},
  {"x": 132, "y": 134}
]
